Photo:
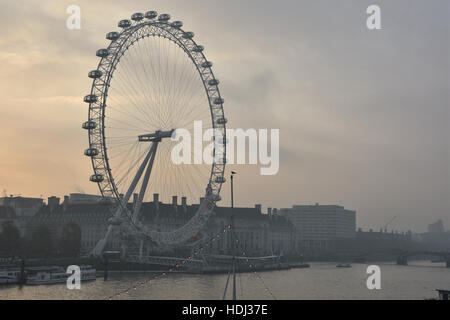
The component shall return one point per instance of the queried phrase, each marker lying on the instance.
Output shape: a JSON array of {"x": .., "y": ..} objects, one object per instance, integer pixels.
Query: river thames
[{"x": 418, "y": 280}]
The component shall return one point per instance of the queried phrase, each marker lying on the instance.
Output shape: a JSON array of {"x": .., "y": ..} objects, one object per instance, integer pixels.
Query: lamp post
[
  {"x": 232, "y": 193},
  {"x": 233, "y": 262}
]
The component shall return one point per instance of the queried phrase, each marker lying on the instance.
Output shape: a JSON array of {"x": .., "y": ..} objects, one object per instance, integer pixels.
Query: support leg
[
  {"x": 141, "y": 247},
  {"x": 102, "y": 242},
  {"x": 137, "y": 208}
]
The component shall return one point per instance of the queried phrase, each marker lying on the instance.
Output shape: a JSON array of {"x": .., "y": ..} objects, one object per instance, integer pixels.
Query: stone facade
[{"x": 259, "y": 234}]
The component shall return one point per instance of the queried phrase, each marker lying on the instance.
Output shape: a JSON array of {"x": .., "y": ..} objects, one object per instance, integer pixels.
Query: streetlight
[
  {"x": 232, "y": 199},
  {"x": 233, "y": 266}
]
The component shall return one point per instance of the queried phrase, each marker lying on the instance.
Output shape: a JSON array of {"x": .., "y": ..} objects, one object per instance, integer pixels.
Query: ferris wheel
[{"x": 152, "y": 80}]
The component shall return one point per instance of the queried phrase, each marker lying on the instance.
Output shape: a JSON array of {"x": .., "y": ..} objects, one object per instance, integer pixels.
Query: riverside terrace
[{"x": 260, "y": 234}]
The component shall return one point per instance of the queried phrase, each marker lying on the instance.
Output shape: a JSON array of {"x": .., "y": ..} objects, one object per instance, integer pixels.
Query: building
[
  {"x": 81, "y": 198},
  {"x": 319, "y": 225},
  {"x": 91, "y": 218},
  {"x": 372, "y": 245},
  {"x": 437, "y": 227},
  {"x": 23, "y": 207},
  {"x": 7, "y": 215},
  {"x": 20, "y": 209},
  {"x": 258, "y": 234},
  {"x": 436, "y": 239},
  {"x": 283, "y": 235}
]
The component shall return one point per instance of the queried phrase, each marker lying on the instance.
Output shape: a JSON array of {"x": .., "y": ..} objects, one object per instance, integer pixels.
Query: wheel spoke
[{"x": 153, "y": 80}]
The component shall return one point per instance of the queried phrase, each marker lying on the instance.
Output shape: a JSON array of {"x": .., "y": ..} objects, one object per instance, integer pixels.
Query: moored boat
[
  {"x": 55, "y": 275},
  {"x": 9, "y": 275},
  {"x": 443, "y": 294},
  {"x": 343, "y": 265}
]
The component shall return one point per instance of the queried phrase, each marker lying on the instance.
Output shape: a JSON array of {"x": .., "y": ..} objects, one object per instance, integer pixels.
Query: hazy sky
[{"x": 363, "y": 115}]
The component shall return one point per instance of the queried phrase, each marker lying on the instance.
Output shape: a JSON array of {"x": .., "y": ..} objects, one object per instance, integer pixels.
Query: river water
[{"x": 418, "y": 280}]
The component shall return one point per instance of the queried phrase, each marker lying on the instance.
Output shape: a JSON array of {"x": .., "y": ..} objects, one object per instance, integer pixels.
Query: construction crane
[{"x": 390, "y": 221}]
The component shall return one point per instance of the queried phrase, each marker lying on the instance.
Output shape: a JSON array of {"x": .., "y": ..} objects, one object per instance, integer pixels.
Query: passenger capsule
[
  {"x": 113, "y": 36},
  {"x": 207, "y": 64},
  {"x": 91, "y": 152},
  {"x": 213, "y": 82},
  {"x": 90, "y": 98},
  {"x": 218, "y": 101},
  {"x": 222, "y": 120},
  {"x": 151, "y": 14},
  {"x": 224, "y": 140},
  {"x": 188, "y": 35},
  {"x": 198, "y": 48},
  {"x": 137, "y": 16},
  {"x": 124, "y": 23},
  {"x": 89, "y": 125},
  {"x": 95, "y": 74},
  {"x": 102, "y": 53},
  {"x": 96, "y": 178},
  {"x": 220, "y": 179},
  {"x": 164, "y": 17},
  {"x": 177, "y": 24}
]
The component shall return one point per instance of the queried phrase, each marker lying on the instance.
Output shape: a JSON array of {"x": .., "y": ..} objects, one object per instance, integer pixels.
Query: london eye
[{"x": 152, "y": 80}]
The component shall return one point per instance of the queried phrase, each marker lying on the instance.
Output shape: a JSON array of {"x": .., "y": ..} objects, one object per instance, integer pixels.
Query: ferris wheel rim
[{"x": 117, "y": 49}]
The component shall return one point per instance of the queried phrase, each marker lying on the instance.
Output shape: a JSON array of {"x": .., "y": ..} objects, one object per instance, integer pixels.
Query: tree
[
  {"x": 41, "y": 242},
  {"x": 9, "y": 239},
  {"x": 70, "y": 243}
]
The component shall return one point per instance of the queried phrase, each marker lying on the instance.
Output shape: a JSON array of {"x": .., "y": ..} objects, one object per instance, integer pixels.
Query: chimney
[
  {"x": 269, "y": 211},
  {"x": 66, "y": 202},
  {"x": 156, "y": 200},
  {"x": 184, "y": 204},
  {"x": 53, "y": 202},
  {"x": 258, "y": 208},
  {"x": 275, "y": 211},
  {"x": 175, "y": 203}
]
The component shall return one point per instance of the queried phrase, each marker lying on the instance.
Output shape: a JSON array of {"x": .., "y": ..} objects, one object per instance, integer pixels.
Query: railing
[{"x": 166, "y": 261}]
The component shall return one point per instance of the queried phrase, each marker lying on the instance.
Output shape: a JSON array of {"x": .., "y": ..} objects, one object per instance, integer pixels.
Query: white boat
[
  {"x": 88, "y": 273},
  {"x": 443, "y": 294},
  {"x": 9, "y": 276},
  {"x": 54, "y": 275}
]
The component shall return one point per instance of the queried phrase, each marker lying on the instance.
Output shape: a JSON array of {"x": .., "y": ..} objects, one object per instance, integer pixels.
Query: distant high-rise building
[
  {"x": 318, "y": 225},
  {"x": 436, "y": 227},
  {"x": 436, "y": 238}
]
